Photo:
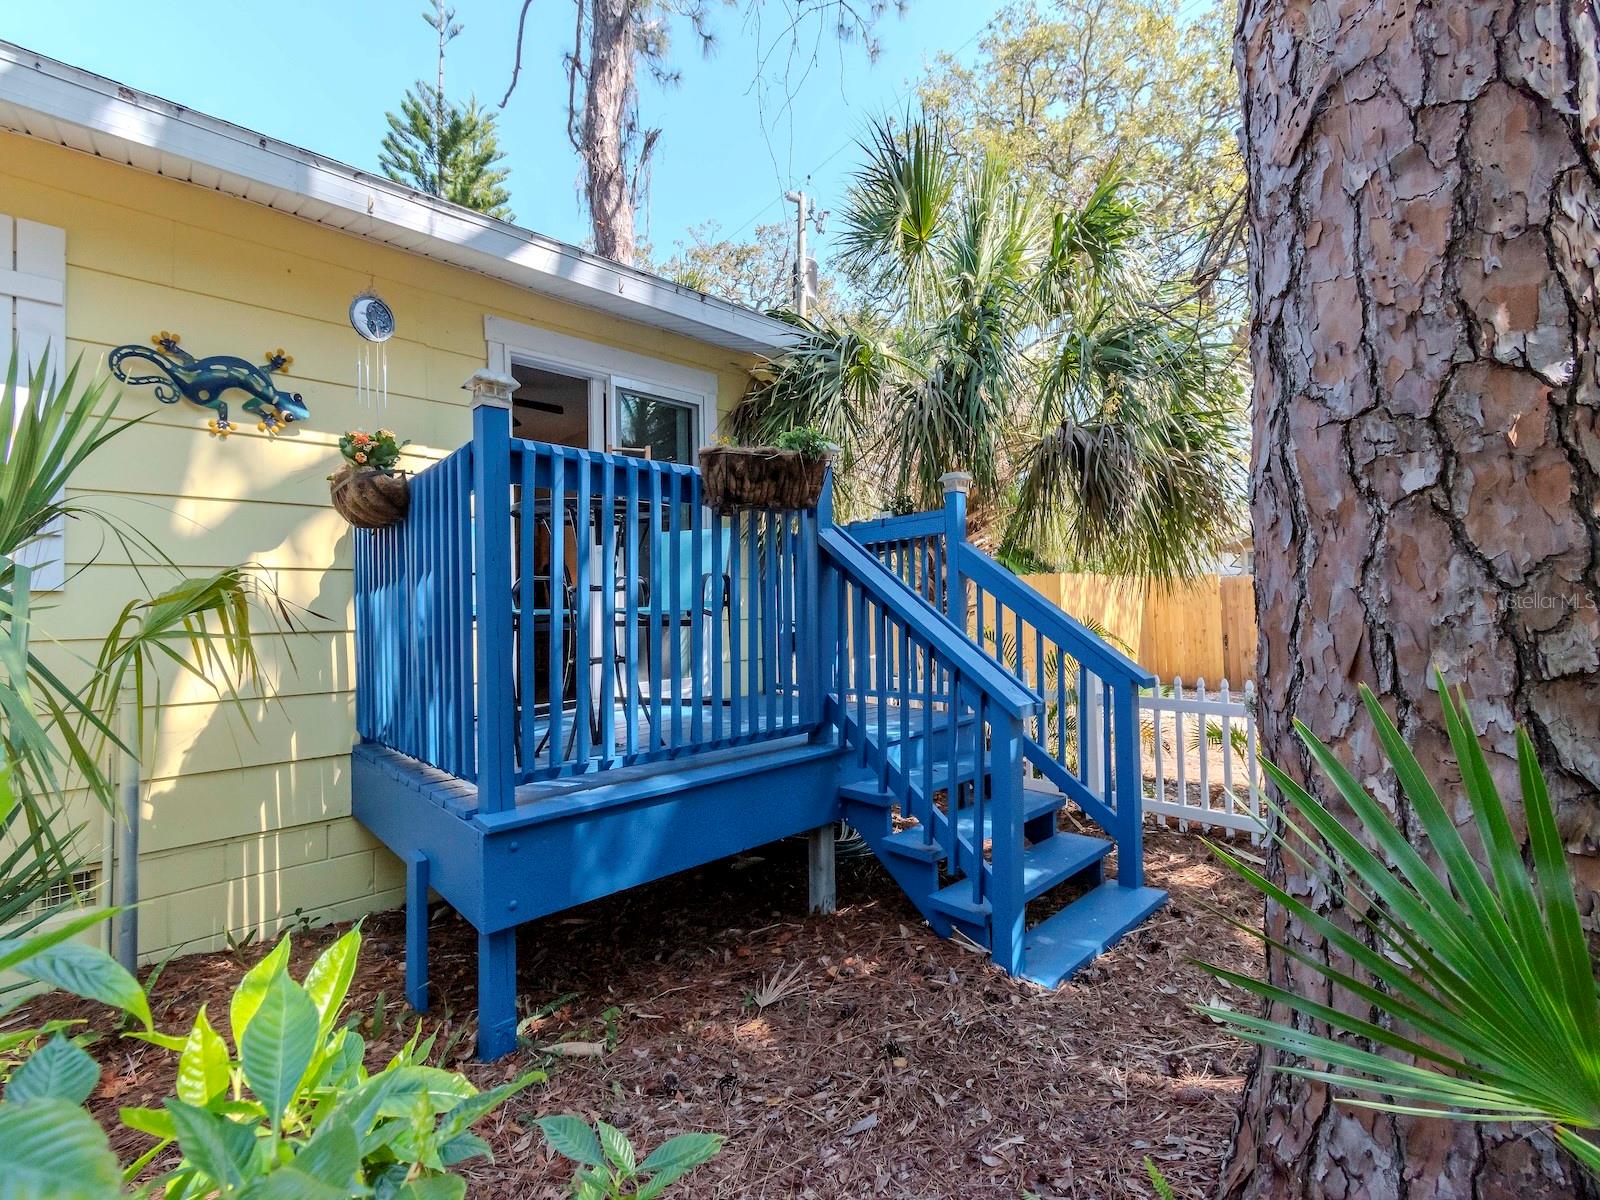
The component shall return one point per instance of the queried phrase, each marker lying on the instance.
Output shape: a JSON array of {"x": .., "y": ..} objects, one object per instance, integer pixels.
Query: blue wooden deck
[{"x": 572, "y": 678}]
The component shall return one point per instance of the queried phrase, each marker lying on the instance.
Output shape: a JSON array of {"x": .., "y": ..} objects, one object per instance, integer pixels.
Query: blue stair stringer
[{"x": 918, "y": 795}]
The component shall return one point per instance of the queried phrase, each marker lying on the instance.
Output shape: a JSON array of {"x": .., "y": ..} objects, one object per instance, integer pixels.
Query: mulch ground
[{"x": 892, "y": 1064}]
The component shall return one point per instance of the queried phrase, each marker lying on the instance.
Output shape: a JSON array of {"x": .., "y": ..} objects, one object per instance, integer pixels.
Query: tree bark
[
  {"x": 608, "y": 120},
  {"x": 1425, "y": 236}
]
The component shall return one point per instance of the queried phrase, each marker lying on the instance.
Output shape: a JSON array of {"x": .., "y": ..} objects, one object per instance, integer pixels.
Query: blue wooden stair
[{"x": 938, "y": 791}]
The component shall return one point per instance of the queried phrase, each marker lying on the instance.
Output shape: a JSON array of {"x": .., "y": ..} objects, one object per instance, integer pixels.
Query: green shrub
[
  {"x": 609, "y": 1169},
  {"x": 282, "y": 1106},
  {"x": 805, "y": 441},
  {"x": 1476, "y": 978}
]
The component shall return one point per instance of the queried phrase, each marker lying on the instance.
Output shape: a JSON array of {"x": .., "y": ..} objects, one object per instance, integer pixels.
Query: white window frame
[
  {"x": 33, "y": 318},
  {"x": 609, "y": 370}
]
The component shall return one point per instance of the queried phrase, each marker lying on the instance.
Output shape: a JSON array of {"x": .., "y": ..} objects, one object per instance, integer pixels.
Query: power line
[{"x": 846, "y": 144}]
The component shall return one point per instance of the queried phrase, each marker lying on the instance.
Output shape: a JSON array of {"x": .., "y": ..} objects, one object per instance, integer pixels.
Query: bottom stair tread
[{"x": 1058, "y": 946}]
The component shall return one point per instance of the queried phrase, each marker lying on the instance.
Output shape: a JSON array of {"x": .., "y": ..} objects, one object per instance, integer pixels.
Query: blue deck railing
[
  {"x": 545, "y": 611},
  {"x": 646, "y": 626},
  {"x": 416, "y": 673}
]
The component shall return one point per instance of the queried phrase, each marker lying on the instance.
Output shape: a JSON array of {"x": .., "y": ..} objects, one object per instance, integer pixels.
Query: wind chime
[{"x": 373, "y": 320}]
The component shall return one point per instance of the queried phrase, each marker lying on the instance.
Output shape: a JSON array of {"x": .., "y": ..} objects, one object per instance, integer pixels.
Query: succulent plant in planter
[
  {"x": 368, "y": 491},
  {"x": 785, "y": 475}
]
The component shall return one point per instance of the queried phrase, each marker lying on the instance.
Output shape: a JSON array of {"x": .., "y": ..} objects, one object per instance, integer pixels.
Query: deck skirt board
[{"x": 504, "y": 868}]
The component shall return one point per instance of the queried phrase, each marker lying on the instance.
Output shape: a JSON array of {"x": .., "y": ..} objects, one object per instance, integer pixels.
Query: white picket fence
[{"x": 1199, "y": 756}]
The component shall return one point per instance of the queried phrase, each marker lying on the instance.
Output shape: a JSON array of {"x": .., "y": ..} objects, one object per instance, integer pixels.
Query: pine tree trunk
[
  {"x": 1425, "y": 236},
  {"x": 606, "y": 119}
]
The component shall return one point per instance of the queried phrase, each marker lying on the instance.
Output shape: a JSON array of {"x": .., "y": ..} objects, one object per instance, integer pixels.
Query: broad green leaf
[
  {"x": 683, "y": 1153},
  {"x": 157, "y": 1122},
  {"x": 464, "y": 1147},
  {"x": 217, "y": 1147},
  {"x": 278, "y": 1044},
  {"x": 291, "y": 1183},
  {"x": 466, "y": 1114},
  {"x": 57, "y": 1070},
  {"x": 333, "y": 1154},
  {"x": 433, "y": 1187},
  {"x": 53, "y": 1150},
  {"x": 1471, "y": 962},
  {"x": 247, "y": 996},
  {"x": 86, "y": 971},
  {"x": 329, "y": 978},
  {"x": 203, "y": 1066},
  {"x": 572, "y": 1138},
  {"x": 1581, "y": 1148},
  {"x": 617, "y": 1149}
]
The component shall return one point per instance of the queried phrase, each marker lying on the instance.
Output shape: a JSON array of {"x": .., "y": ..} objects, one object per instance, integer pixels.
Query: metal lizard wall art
[{"x": 204, "y": 381}]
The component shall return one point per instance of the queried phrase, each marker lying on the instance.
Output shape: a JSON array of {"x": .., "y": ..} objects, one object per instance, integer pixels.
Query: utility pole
[{"x": 802, "y": 205}]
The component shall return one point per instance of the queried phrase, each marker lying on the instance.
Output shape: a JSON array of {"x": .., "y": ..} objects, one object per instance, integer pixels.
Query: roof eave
[{"x": 48, "y": 99}]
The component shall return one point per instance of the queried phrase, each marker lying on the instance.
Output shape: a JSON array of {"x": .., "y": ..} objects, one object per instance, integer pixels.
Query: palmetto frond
[{"x": 1479, "y": 973}]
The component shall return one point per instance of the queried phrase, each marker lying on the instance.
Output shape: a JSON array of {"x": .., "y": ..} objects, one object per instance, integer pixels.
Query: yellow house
[{"x": 122, "y": 215}]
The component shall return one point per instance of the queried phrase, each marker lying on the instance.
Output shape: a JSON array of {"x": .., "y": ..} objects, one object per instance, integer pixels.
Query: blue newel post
[
  {"x": 955, "y": 484},
  {"x": 818, "y": 681},
  {"x": 491, "y": 547}
]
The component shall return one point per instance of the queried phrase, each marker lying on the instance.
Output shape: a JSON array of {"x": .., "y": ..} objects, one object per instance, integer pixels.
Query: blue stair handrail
[
  {"x": 1084, "y": 739},
  {"x": 887, "y": 651}
]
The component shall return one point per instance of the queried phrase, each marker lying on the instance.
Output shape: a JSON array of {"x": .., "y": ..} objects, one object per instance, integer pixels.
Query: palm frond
[
  {"x": 1482, "y": 980},
  {"x": 56, "y": 723}
]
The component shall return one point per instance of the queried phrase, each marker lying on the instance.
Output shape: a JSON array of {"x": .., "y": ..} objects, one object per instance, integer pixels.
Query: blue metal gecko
[{"x": 204, "y": 381}]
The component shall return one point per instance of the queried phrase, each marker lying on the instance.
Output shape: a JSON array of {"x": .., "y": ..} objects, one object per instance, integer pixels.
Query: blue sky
[{"x": 321, "y": 75}]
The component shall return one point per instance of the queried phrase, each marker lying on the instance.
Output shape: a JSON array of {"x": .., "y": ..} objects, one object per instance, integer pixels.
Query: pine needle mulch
[{"x": 854, "y": 1055}]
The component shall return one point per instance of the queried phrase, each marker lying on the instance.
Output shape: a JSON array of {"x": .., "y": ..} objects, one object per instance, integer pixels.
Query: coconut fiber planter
[
  {"x": 368, "y": 498},
  {"x": 745, "y": 477}
]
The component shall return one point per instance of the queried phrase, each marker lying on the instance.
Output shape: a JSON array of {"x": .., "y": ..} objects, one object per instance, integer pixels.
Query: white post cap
[
  {"x": 487, "y": 387},
  {"x": 956, "y": 481}
]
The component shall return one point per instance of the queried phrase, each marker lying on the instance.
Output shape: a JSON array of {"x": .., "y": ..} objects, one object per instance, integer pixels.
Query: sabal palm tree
[{"x": 1099, "y": 415}]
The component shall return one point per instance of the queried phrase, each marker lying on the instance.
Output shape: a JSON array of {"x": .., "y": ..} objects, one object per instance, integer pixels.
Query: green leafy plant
[
  {"x": 1158, "y": 1180},
  {"x": 609, "y": 1168},
  {"x": 56, "y": 722},
  {"x": 380, "y": 451},
  {"x": 804, "y": 441},
  {"x": 1476, "y": 990},
  {"x": 284, "y": 1108}
]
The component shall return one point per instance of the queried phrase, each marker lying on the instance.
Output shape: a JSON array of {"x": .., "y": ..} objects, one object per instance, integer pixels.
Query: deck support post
[
  {"x": 417, "y": 931},
  {"x": 820, "y": 852},
  {"x": 497, "y": 994}
]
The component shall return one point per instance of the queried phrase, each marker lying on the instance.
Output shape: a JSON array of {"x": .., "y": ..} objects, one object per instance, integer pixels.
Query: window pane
[{"x": 664, "y": 427}]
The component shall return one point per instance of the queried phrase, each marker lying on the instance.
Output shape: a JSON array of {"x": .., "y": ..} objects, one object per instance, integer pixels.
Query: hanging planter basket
[
  {"x": 368, "y": 498},
  {"x": 744, "y": 477}
]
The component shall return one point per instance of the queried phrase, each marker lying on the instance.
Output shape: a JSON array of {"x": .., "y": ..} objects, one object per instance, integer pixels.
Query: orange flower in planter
[{"x": 378, "y": 451}]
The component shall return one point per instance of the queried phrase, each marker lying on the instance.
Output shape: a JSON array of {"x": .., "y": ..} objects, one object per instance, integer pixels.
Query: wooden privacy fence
[{"x": 1202, "y": 630}]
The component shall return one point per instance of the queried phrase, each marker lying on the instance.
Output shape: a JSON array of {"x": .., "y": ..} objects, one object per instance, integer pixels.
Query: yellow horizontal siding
[{"x": 247, "y": 812}]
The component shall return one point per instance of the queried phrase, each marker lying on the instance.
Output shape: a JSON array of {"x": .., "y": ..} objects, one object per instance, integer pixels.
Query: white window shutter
[{"x": 33, "y": 317}]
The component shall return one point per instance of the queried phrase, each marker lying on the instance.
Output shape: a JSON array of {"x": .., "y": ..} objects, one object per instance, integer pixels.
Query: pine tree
[
  {"x": 438, "y": 147},
  {"x": 454, "y": 158}
]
